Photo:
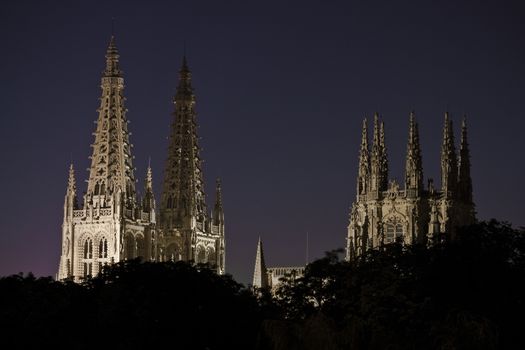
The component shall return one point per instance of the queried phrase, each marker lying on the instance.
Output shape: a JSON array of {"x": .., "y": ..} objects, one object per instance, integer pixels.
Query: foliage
[
  {"x": 131, "y": 305},
  {"x": 464, "y": 294}
]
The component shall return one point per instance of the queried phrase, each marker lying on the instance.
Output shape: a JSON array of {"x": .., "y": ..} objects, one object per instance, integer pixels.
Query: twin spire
[{"x": 373, "y": 166}]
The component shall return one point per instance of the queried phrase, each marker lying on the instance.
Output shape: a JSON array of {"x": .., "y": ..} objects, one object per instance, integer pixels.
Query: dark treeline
[{"x": 466, "y": 294}]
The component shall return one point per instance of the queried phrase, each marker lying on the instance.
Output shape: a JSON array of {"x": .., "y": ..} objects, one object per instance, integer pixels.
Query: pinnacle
[
  {"x": 71, "y": 183},
  {"x": 112, "y": 48},
  {"x": 364, "y": 135},
  {"x": 112, "y": 56},
  {"x": 218, "y": 199},
  {"x": 149, "y": 179},
  {"x": 184, "y": 66}
]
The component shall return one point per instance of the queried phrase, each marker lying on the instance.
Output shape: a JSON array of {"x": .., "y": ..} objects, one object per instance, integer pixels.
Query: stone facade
[
  {"x": 383, "y": 212},
  {"x": 112, "y": 223},
  {"x": 186, "y": 230}
]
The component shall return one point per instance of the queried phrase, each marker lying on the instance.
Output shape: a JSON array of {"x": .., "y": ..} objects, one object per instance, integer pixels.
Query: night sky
[{"x": 281, "y": 90}]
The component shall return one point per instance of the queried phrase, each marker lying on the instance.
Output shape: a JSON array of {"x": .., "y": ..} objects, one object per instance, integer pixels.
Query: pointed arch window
[
  {"x": 141, "y": 248},
  {"x": 393, "y": 232},
  {"x": 130, "y": 246},
  {"x": 88, "y": 249},
  {"x": 103, "y": 248},
  {"x": 87, "y": 254}
]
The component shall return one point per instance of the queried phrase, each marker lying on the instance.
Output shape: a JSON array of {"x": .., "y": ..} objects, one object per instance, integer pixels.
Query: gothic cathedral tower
[
  {"x": 384, "y": 213},
  {"x": 109, "y": 225},
  {"x": 186, "y": 231}
]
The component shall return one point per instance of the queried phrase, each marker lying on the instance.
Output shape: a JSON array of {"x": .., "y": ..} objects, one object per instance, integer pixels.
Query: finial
[
  {"x": 218, "y": 199},
  {"x": 364, "y": 134},
  {"x": 411, "y": 127},
  {"x": 71, "y": 182},
  {"x": 149, "y": 162}
]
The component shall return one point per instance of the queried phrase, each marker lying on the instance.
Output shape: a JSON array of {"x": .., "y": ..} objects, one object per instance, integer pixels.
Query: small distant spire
[{"x": 260, "y": 275}]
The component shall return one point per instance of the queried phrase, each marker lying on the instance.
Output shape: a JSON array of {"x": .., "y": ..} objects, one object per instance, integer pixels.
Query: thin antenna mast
[{"x": 307, "y": 258}]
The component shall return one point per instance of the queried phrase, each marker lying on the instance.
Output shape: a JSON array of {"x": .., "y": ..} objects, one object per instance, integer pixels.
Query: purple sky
[{"x": 281, "y": 89}]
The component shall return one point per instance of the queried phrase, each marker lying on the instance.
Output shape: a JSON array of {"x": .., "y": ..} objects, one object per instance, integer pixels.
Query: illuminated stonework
[
  {"x": 384, "y": 213},
  {"x": 270, "y": 277},
  {"x": 186, "y": 230},
  {"x": 112, "y": 224}
]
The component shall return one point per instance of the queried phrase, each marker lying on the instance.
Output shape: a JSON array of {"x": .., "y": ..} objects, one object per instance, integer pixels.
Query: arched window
[
  {"x": 88, "y": 257},
  {"x": 141, "y": 251},
  {"x": 88, "y": 249},
  {"x": 173, "y": 253},
  {"x": 130, "y": 246},
  {"x": 103, "y": 248},
  {"x": 394, "y": 232},
  {"x": 201, "y": 255},
  {"x": 212, "y": 257}
]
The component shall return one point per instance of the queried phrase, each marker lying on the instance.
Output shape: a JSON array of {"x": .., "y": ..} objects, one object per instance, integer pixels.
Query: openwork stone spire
[
  {"x": 449, "y": 167},
  {"x": 414, "y": 164},
  {"x": 364, "y": 162},
  {"x": 183, "y": 199},
  {"x": 464, "y": 179},
  {"x": 260, "y": 274},
  {"x": 111, "y": 163},
  {"x": 378, "y": 159}
]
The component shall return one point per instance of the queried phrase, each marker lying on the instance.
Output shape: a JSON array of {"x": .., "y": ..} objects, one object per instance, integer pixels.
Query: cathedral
[
  {"x": 112, "y": 223},
  {"x": 383, "y": 212}
]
